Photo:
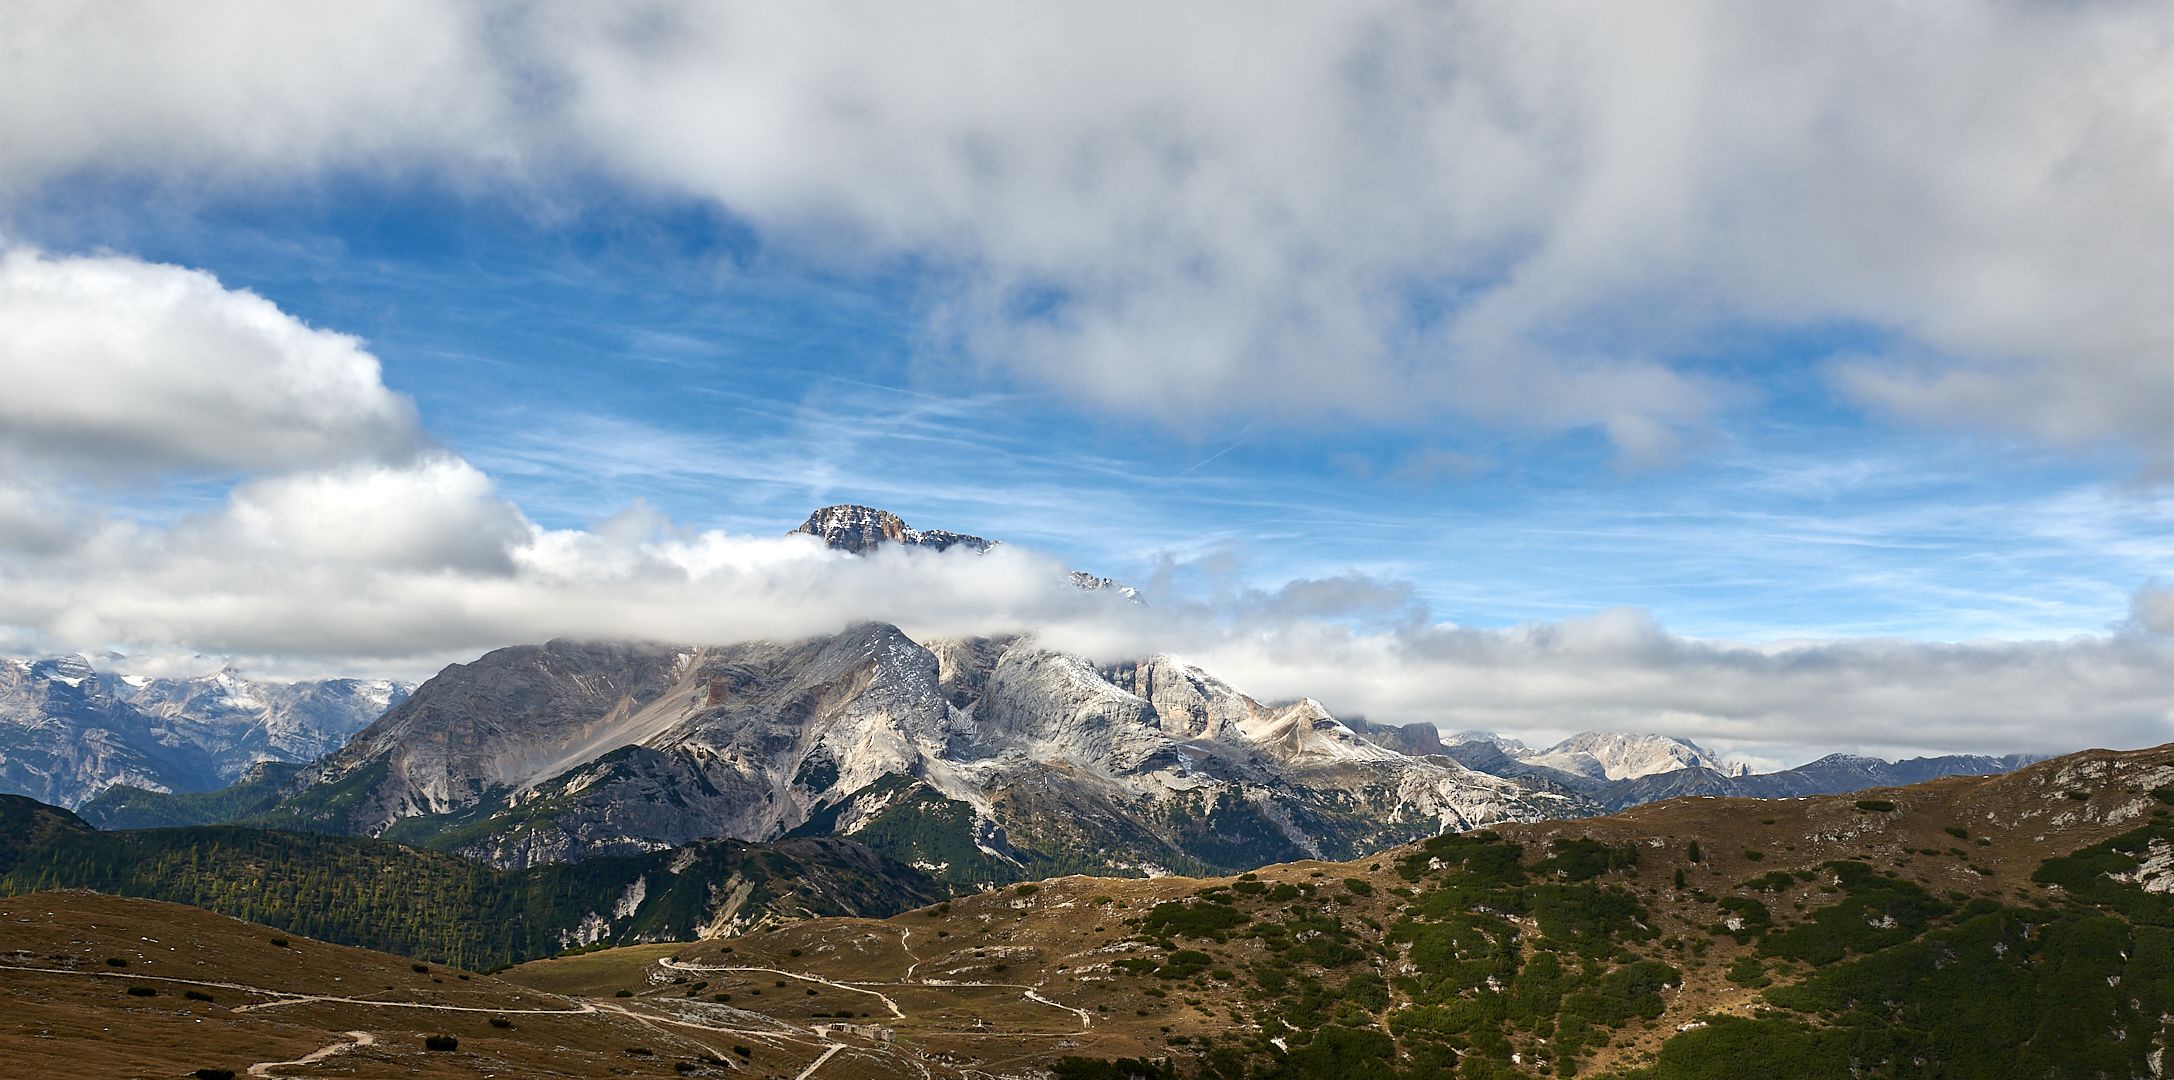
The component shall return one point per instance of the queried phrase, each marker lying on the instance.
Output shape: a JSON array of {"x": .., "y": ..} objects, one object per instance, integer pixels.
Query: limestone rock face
[{"x": 974, "y": 760}]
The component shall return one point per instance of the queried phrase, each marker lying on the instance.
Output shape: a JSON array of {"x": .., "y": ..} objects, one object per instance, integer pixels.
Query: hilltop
[{"x": 1965, "y": 927}]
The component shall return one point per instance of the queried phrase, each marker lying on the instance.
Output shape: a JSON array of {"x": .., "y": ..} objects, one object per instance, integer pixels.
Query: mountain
[
  {"x": 1618, "y": 755},
  {"x": 69, "y": 730},
  {"x": 1833, "y": 774},
  {"x": 976, "y": 759},
  {"x": 125, "y": 807},
  {"x": 1969, "y": 928},
  {"x": 860, "y": 529},
  {"x": 445, "y": 908},
  {"x": 1619, "y": 770}
]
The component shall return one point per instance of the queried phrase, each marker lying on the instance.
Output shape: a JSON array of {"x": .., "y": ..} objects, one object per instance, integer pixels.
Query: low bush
[{"x": 441, "y": 1042}]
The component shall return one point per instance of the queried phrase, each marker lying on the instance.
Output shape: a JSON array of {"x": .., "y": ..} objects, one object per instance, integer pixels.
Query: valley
[{"x": 1690, "y": 938}]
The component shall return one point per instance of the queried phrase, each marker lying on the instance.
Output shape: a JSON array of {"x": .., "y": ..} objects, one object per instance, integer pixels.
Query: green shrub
[
  {"x": 623, "y": 993},
  {"x": 501, "y": 1023},
  {"x": 213, "y": 1074},
  {"x": 1204, "y": 919},
  {"x": 1359, "y": 886},
  {"x": 1027, "y": 890},
  {"x": 1080, "y": 1068},
  {"x": 1957, "y": 832},
  {"x": 1875, "y": 806},
  {"x": 441, "y": 1042},
  {"x": 196, "y": 995},
  {"x": 142, "y": 991}
]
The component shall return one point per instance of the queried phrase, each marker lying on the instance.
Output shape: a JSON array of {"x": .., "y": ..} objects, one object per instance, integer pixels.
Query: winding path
[
  {"x": 675, "y": 965},
  {"x": 1086, "y": 1020},
  {"x": 362, "y": 1038}
]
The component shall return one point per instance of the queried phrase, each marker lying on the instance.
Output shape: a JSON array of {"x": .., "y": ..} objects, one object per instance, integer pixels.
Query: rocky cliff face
[
  {"x": 69, "y": 731},
  {"x": 859, "y": 529},
  {"x": 973, "y": 759}
]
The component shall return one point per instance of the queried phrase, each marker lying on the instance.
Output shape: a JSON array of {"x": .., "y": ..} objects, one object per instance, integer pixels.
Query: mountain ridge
[
  {"x": 69, "y": 730},
  {"x": 558, "y": 752}
]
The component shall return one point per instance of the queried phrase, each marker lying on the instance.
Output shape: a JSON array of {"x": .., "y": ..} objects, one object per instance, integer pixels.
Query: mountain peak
[{"x": 859, "y": 529}]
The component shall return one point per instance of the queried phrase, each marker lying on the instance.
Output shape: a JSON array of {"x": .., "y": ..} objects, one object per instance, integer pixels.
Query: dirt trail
[
  {"x": 675, "y": 965},
  {"x": 361, "y": 1038},
  {"x": 818, "y": 1062},
  {"x": 1086, "y": 1020},
  {"x": 283, "y": 997}
]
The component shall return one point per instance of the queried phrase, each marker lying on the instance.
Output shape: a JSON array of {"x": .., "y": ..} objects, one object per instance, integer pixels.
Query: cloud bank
[
  {"x": 350, "y": 546},
  {"x": 1532, "y": 216}
]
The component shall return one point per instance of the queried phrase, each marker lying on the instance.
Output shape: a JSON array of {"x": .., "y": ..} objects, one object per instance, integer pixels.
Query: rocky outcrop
[{"x": 860, "y": 529}]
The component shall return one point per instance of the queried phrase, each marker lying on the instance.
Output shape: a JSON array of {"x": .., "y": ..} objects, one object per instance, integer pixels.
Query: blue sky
[
  {"x": 1535, "y": 369},
  {"x": 632, "y": 348}
]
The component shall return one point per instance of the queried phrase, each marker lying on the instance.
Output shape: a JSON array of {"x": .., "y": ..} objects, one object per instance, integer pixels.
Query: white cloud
[
  {"x": 1522, "y": 214},
  {"x": 239, "y": 89},
  {"x": 1619, "y": 670},
  {"x": 121, "y": 367},
  {"x": 437, "y": 512},
  {"x": 2152, "y": 608}
]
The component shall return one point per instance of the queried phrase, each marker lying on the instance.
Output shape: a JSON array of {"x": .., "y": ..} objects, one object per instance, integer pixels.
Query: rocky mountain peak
[
  {"x": 860, "y": 529},
  {"x": 1621, "y": 755}
]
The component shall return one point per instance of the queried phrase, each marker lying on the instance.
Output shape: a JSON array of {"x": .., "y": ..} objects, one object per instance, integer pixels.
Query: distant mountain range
[
  {"x": 69, "y": 730},
  {"x": 975, "y": 760},
  {"x": 1617, "y": 770}
]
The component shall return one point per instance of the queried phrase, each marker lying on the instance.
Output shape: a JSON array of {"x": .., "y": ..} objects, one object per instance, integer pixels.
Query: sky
[{"x": 1794, "y": 379}]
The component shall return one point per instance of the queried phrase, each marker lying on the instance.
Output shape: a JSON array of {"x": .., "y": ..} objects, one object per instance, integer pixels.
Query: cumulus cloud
[
  {"x": 1528, "y": 214},
  {"x": 117, "y": 366},
  {"x": 2152, "y": 608},
  {"x": 242, "y": 89}
]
